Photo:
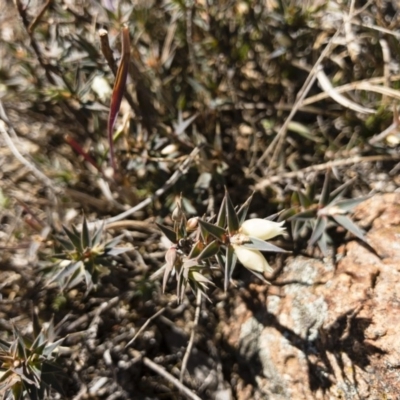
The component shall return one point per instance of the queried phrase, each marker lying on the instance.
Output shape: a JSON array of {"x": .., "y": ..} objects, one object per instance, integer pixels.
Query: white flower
[
  {"x": 252, "y": 259},
  {"x": 262, "y": 228}
]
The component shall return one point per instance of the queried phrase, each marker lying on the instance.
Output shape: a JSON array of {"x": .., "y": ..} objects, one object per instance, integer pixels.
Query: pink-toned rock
[{"x": 325, "y": 330}]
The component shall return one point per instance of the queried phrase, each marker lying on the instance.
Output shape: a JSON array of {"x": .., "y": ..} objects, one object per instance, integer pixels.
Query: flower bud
[
  {"x": 177, "y": 214},
  {"x": 192, "y": 224},
  {"x": 252, "y": 259},
  {"x": 262, "y": 228}
]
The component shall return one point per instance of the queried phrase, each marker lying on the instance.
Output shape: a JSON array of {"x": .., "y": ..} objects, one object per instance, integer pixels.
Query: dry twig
[
  {"x": 192, "y": 334},
  {"x": 264, "y": 183},
  {"x": 170, "y": 378},
  {"x": 154, "y": 316},
  {"x": 181, "y": 170},
  {"x": 281, "y": 135}
]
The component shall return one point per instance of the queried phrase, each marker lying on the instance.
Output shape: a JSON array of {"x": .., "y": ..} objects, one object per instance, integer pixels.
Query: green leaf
[
  {"x": 325, "y": 196},
  {"x": 348, "y": 224},
  {"x": 112, "y": 243},
  {"x": 197, "y": 248},
  {"x": 348, "y": 205},
  {"x": 97, "y": 235},
  {"x": 210, "y": 250},
  {"x": 116, "y": 251},
  {"x": 75, "y": 278},
  {"x": 74, "y": 238},
  {"x": 233, "y": 221},
  {"x": 323, "y": 243},
  {"x": 230, "y": 264},
  {"x": 17, "y": 391},
  {"x": 85, "y": 235},
  {"x": 304, "y": 215},
  {"x": 48, "y": 351},
  {"x": 221, "y": 219},
  {"x": 296, "y": 228},
  {"x": 21, "y": 349},
  {"x": 66, "y": 271},
  {"x": 51, "y": 374},
  {"x": 214, "y": 230},
  {"x": 259, "y": 276},
  {"x": 319, "y": 229},
  {"x": 64, "y": 243},
  {"x": 261, "y": 245},
  {"x": 242, "y": 213},
  {"x": 310, "y": 194},
  {"x": 286, "y": 214},
  {"x": 304, "y": 199},
  {"x": 302, "y": 130},
  {"x": 169, "y": 233},
  {"x": 181, "y": 286}
]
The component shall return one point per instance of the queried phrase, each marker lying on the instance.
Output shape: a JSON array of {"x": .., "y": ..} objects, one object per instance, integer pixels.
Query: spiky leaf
[
  {"x": 85, "y": 235},
  {"x": 214, "y": 230},
  {"x": 169, "y": 233},
  {"x": 233, "y": 221},
  {"x": 210, "y": 250},
  {"x": 242, "y": 213},
  {"x": 221, "y": 219},
  {"x": 348, "y": 224},
  {"x": 263, "y": 246},
  {"x": 319, "y": 228},
  {"x": 230, "y": 264}
]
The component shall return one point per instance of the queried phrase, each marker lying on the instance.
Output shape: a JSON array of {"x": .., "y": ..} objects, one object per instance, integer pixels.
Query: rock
[{"x": 326, "y": 330}]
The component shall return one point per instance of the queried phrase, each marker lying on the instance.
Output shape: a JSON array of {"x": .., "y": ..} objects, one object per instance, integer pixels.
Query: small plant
[
  {"x": 200, "y": 245},
  {"x": 27, "y": 367},
  {"x": 330, "y": 210},
  {"x": 84, "y": 257}
]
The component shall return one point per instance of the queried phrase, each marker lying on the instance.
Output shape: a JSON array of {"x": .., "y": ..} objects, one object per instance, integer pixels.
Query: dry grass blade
[
  {"x": 145, "y": 325},
  {"x": 39, "y": 175},
  {"x": 264, "y": 183},
  {"x": 367, "y": 85},
  {"x": 331, "y": 92}
]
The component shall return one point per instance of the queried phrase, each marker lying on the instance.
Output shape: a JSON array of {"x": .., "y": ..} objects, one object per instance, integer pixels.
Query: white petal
[
  {"x": 252, "y": 259},
  {"x": 262, "y": 228}
]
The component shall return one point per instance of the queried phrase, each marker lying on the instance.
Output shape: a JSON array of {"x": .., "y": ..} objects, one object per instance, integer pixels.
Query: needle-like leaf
[
  {"x": 348, "y": 224},
  {"x": 318, "y": 230},
  {"x": 233, "y": 221},
  {"x": 262, "y": 246},
  {"x": 230, "y": 264},
  {"x": 213, "y": 230}
]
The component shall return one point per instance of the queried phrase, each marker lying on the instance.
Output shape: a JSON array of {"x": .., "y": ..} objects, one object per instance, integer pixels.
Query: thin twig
[
  {"x": 106, "y": 50},
  {"x": 39, "y": 175},
  {"x": 352, "y": 46},
  {"x": 281, "y": 135},
  {"x": 159, "y": 312},
  {"x": 263, "y": 184},
  {"x": 38, "y": 17},
  {"x": 22, "y": 12},
  {"x": 182, "y": 170},
  {"x": 192, "y": 335},
  {"x": 366, "y": 84},
  {"x": 392, "y": 128},
  {"x": 48, "y": 68},
  {"x": 165, "y": 374},
  {"x": 327, "y": 87}
]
